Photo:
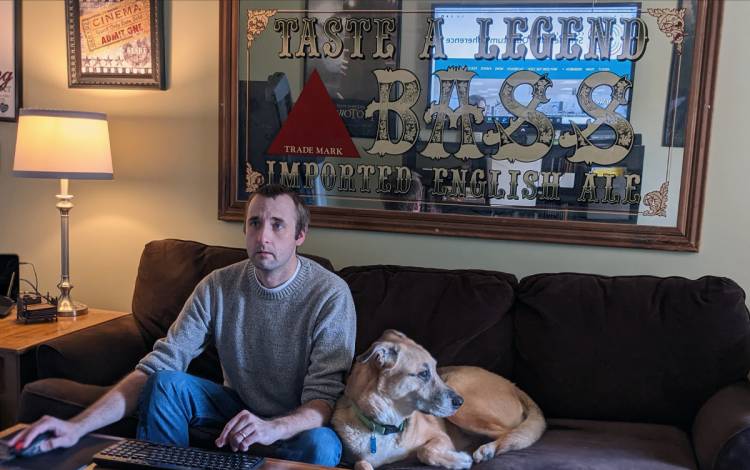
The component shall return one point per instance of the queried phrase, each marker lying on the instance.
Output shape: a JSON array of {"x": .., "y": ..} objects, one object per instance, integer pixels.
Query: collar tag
[{"x": 373, "y": 444}]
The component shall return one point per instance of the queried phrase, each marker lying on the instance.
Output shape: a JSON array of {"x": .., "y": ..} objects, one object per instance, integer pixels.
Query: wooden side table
[{"x": 18, "y": 342}]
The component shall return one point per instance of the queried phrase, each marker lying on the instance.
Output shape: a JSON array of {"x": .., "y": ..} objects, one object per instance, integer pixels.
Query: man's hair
[
  {"x": 409, "y": 201},
  {"x": 273, "y": 191}
]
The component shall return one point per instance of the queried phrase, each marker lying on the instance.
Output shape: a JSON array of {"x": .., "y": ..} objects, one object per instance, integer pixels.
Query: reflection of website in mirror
[{"x": 461, "y": 38}]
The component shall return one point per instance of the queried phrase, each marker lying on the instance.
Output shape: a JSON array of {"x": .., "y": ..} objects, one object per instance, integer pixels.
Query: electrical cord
[
  {"x": 35, "y": 285},
  {"x": 36, "y": 278}
]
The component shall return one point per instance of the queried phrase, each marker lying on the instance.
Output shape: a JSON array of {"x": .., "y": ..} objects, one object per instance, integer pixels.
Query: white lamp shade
[{"x": 62, "y": 144}]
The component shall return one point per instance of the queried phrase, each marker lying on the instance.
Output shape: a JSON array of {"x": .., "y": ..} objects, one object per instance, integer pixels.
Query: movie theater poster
[
  {"x": 115, "y": 43},
  {"x": 527, "y": 121}
]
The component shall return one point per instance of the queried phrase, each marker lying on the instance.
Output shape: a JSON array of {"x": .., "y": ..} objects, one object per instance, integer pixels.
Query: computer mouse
[{"x": 35, "y": 446}]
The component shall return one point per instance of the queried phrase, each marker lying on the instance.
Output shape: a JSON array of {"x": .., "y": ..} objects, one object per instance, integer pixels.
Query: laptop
[{"x": 9, "y": 280}]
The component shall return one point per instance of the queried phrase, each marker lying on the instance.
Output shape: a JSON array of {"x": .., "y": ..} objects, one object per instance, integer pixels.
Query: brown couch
[{"x": 635, "y": 372}]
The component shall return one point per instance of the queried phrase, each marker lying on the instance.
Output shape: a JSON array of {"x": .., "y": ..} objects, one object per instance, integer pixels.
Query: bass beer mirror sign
[{"x": 565, "y": 122}]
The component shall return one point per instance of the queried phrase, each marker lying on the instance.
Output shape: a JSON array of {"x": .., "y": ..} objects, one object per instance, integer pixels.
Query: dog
[{"x": 397, "y": 404}]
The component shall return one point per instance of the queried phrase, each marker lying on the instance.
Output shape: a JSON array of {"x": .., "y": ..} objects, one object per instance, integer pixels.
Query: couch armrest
[
  {"x": 65, "y": 399},
  {"x": 721, "y": 430},
  {"x": 100, "y": 355}
]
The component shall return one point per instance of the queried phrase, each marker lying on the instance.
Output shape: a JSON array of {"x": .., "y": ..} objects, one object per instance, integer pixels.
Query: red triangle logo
[{"x": 314, "y": 127}]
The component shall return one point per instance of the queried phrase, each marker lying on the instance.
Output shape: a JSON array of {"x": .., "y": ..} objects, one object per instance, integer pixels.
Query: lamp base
[{"x": 75, "y": 310}]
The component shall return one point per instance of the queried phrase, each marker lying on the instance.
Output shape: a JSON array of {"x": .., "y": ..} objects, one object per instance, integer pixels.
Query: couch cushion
[
  {"x": 594, "y": 445},
  {"x": 86, "y": 356},
  {"x": 636, "y": 348},
  {"x": 460, "y": 316},
  {"x": 168, "y": 272}
]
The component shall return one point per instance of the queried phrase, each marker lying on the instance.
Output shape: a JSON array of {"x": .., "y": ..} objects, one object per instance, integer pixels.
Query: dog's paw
[
  {"x": 363, "y": 465},
  {"x": 485, "y": 452},
  {"x": 445, "y": 458},
  {"x": 461, "y": 460}
]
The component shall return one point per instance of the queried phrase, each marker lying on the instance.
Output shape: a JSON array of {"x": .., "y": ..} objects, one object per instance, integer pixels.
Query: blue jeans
[{"x": 172, "y": 401}]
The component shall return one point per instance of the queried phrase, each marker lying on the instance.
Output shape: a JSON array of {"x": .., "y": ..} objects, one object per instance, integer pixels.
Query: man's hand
[
  {"x": 66, "y": 434},
  {"x": 245, "y": 429}
]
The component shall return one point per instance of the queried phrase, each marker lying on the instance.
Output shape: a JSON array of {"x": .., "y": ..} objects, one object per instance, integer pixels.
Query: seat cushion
[
  {"x": 630, "y": 348},
  {"x": 460, "y": 316},
  {"x": 603, "y": 445},
  {"x": 595, "y": 445}
]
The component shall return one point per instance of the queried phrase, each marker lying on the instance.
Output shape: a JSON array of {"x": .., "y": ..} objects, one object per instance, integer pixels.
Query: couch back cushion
[
  {"x": 168, "y": 272},
  {"x": 636, "y": 348},
  {"x": 460, "y": 316}
]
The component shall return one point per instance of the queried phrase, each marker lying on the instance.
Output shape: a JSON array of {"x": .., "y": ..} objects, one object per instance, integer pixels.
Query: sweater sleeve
[
  {"x": 186, "y": 338},
  {"x": 332, "y": 349}
]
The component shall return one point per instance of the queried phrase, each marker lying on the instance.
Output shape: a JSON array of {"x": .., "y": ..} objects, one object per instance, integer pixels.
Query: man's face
[{"x": 270, "y": 229}]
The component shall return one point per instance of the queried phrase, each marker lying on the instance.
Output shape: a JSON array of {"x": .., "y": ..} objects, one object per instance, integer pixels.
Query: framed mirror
[{"x": 567, "y": 122}]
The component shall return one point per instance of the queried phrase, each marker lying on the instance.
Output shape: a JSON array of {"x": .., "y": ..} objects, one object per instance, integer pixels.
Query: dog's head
[{"x": 404, "y": 373}]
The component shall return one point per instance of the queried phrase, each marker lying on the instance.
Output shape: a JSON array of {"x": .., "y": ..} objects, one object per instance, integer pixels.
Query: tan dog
[{"x": 395, "y": 400}]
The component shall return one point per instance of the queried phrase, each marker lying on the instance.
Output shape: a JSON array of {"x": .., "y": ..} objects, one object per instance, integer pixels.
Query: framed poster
[
  {"x": 538, "y": 121},
  {"x": 115, "y": 43},
  {"x": 10, "y": 60}
]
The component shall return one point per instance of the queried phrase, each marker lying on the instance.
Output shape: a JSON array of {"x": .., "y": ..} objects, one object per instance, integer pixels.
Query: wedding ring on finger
[{"x": 242, "y": 434}]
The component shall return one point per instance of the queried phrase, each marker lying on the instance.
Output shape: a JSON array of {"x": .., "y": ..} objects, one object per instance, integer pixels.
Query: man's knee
[
  {"x": 164, "y": 383},
  {"x": 320, "y": 446},
  {"x": 168, "y": 379}
]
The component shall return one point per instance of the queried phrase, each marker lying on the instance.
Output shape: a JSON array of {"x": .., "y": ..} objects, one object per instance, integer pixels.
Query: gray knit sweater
[{"x": 278, "y": 350}]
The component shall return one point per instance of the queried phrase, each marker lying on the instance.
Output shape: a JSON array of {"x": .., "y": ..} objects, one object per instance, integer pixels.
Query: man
[
  {"x": 284, "y": 328},
  {"x": 410, "y": 201}
]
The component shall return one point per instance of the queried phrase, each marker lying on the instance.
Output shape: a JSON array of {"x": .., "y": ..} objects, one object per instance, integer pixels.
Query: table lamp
[{"x": 65, "y": 145}]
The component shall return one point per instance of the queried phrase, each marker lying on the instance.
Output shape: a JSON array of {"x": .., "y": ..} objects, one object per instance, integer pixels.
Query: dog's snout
[{"x": 456, "y": 400}]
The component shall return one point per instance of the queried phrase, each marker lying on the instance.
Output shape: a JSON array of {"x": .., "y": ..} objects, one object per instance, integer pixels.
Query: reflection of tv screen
[
  {"x": 461, "y": 41},
  {"x": 262, "y": 107}
]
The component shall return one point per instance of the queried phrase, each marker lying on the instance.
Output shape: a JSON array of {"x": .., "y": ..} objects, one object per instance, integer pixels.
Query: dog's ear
[
  {"x": 385, "y": 352},
  {"x": 392, "y": 332}
]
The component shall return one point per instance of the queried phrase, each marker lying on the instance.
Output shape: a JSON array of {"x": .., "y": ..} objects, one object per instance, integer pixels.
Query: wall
[{"x": 165, "y": 148}]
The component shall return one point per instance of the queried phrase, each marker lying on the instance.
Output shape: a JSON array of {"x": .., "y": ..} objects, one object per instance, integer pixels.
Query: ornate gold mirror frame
[{"x": 602, "y": 162}]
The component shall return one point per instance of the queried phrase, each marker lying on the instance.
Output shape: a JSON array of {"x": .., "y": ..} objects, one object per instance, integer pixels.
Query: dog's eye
[{"x": 424, "y": 375}]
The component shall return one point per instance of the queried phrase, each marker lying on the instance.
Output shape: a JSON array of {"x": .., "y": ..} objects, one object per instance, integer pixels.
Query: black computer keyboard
[{"x": 134, "y": 454}]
